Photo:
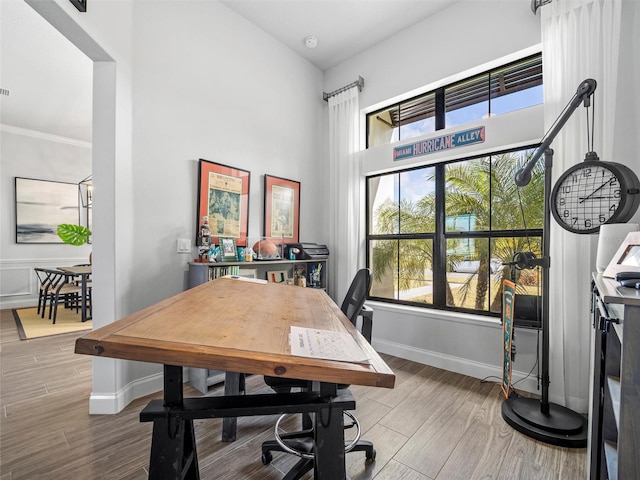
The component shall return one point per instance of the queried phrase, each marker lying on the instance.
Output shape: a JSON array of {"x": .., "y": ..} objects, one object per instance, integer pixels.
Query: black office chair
[{"x": 301, "y": 443}]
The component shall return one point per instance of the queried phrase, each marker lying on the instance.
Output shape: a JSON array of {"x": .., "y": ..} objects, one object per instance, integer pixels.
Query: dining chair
[
  {"x": 66, "y": 292},
  {"x": 47, "y": 279},
  {"x": 89, "y": 289},
  {"x": 301, "y": 443}
]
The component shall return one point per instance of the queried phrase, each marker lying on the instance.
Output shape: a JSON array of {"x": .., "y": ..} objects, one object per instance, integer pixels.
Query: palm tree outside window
[{"x": 441, "y": 236}]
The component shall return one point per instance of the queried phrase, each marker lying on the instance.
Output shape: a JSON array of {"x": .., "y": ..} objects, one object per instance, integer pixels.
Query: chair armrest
[{"x": 367, "y": 322}]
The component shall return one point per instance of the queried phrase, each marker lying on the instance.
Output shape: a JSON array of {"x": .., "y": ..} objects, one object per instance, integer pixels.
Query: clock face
[{"x": 589, "y": 195}]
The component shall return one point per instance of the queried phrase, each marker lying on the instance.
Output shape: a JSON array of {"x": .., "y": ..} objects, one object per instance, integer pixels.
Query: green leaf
[{"x": 73, "y": 234}]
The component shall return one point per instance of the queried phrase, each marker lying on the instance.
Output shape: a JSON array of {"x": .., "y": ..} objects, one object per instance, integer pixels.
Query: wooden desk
[
  {"x": 238, "y": 326},
  {"x": 83, "y": 272}
]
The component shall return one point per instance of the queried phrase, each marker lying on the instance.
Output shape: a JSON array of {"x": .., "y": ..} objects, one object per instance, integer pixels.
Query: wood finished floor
[{"x": 435, "y": 425}]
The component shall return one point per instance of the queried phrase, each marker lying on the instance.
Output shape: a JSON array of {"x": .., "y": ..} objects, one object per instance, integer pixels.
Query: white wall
[
  {"x": 30, "y": 154},
  {"x": 175, "y": 81},
  {"x": 249, "y": 103},
  {"x": 467, "y": 37}
]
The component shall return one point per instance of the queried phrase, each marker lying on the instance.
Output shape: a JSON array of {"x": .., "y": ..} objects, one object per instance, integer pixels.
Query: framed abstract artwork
[
  {"x": 281, "y": 209},
  {"x": 223, "y": 196},
  {"x": 42, "y": 205}
]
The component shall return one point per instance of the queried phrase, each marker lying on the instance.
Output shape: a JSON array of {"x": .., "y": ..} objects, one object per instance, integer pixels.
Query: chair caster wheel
[
  {"x": 371, "y": 457},
  {"x": 266, "y": 458}
]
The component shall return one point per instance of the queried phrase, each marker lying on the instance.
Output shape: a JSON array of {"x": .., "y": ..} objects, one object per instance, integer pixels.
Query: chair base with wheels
[{"x": 302, "y": 443}]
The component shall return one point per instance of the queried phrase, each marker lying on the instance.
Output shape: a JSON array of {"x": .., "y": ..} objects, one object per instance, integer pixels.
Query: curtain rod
[
  {"x": 359, "y": 83},
  {"x": 535, "y": 4}
]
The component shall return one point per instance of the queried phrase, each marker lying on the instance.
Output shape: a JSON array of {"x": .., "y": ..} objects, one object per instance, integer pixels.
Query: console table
[
  {"x": 238, "y": 326},
  {"x": 614, "y": 416}
]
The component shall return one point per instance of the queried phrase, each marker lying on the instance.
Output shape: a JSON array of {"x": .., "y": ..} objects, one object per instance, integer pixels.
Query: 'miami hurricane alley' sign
[{"x": 432, "y": 145}]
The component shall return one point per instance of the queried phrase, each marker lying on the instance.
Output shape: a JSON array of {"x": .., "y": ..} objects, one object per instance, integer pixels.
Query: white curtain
[
  {"x": 344, "y": 191},
  {"x": 581, "y": 39}
]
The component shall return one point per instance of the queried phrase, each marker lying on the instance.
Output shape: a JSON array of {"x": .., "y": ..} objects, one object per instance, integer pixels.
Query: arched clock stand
[{"x": 539, "y": 418}]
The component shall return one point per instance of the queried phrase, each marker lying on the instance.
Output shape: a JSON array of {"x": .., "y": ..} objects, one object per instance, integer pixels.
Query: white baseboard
[
  {"x": 101, "y": 404},
  {"x": 25, "y": 303},
  {"x": 111, "y": 404},
  {"x": 459, "y": 365}
]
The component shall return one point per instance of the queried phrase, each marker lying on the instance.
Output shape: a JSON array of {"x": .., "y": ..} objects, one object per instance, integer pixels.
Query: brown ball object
[{"x": 265, "y": 248}]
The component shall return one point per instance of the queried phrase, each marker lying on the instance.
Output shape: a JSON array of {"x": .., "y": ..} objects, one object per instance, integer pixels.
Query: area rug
[{"x": 31, "y": 325}]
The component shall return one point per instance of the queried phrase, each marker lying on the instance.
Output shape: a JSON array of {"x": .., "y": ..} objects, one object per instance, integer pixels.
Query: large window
[
  {"x": 501, "y": 90},
  {"x": 441, "y": 236}
]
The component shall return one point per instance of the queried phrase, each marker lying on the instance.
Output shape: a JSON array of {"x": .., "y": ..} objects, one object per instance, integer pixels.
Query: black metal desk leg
[
  {"x": 173, "y": 450},
  {"x": 173, "y": 444},
  {"x": 230, "y": 424},
  {"x": 329, "y": 439}
]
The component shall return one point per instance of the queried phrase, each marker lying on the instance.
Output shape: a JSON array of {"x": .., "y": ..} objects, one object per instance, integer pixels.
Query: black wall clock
[{"x": 593, "y": 193}]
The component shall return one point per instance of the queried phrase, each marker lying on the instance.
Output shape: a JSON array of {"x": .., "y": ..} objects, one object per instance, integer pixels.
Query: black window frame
[
  {"x": 471, "y": 90},
  {"x": 440, "y": 236}
]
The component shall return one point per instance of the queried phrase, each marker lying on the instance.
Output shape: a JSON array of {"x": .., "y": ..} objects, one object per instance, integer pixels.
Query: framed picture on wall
[
  {"x": 41, "y": 206},
  {"x": 281, "y": 209},
  {"x": 223, "y": 196}
]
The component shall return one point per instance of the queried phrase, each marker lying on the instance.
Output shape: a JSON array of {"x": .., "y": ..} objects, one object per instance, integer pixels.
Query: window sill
[{"x": 434, "y": 314}]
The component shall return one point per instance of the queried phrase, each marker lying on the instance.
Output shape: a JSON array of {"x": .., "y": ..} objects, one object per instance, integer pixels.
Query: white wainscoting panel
[
  {"x": 19, "y": 283},
  {"x": 16, "y": 281}
]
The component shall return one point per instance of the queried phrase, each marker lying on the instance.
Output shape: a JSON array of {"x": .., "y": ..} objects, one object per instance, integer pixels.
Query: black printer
[{"x": 307, "y": 251}]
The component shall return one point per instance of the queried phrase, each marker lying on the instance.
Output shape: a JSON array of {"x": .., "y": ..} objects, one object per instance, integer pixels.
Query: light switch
[{"x": 184, "y": 245}]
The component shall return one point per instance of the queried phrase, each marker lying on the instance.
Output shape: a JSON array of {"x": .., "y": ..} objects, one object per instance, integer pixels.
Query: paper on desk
[
  {"x": 246, "y": 279},
  {"x": 329, "y": 345}
]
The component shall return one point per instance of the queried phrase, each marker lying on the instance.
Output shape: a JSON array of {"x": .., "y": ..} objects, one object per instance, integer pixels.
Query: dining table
[
  {"x": 84, "y": 272},
  {"x": 237, "y": 325}
]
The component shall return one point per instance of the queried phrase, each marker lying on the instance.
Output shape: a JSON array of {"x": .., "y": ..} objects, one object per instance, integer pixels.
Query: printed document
[{"x": 326, "y": 344}]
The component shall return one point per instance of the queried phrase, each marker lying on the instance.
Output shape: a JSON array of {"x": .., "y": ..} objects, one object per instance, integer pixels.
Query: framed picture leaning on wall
[
  {"x": 223, "y": 196},
  {"x": 281, "y": 209}
]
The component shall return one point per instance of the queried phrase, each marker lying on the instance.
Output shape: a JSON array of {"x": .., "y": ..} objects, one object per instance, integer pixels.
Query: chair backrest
[
  {"x": 357, "y": 294},
  {"x": 48, "y": 277}
]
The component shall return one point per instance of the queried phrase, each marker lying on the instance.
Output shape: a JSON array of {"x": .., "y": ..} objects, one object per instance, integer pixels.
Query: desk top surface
[{"x": 237, "y": 326}]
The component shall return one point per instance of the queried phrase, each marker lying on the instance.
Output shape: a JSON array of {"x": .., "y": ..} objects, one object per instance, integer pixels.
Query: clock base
[{"x": 561, "y": 426}]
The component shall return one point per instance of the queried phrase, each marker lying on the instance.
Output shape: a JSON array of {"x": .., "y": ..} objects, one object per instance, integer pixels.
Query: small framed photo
[
  {"x": 228, "y": 249},
  {"x": 248, "y": 272},
  {"x": 277, "y": 276},
  {"x": 281, "y": 209}
]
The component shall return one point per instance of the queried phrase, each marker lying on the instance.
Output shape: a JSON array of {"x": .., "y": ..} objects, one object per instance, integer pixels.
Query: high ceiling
[
  {"x": 49, "y": 79},
  {"x": 343, "y": 27}
]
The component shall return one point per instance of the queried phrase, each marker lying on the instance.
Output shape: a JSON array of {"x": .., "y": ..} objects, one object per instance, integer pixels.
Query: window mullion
[
  {"x": 440, "y": 109},
  {"x": 440, "y": 243}
]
